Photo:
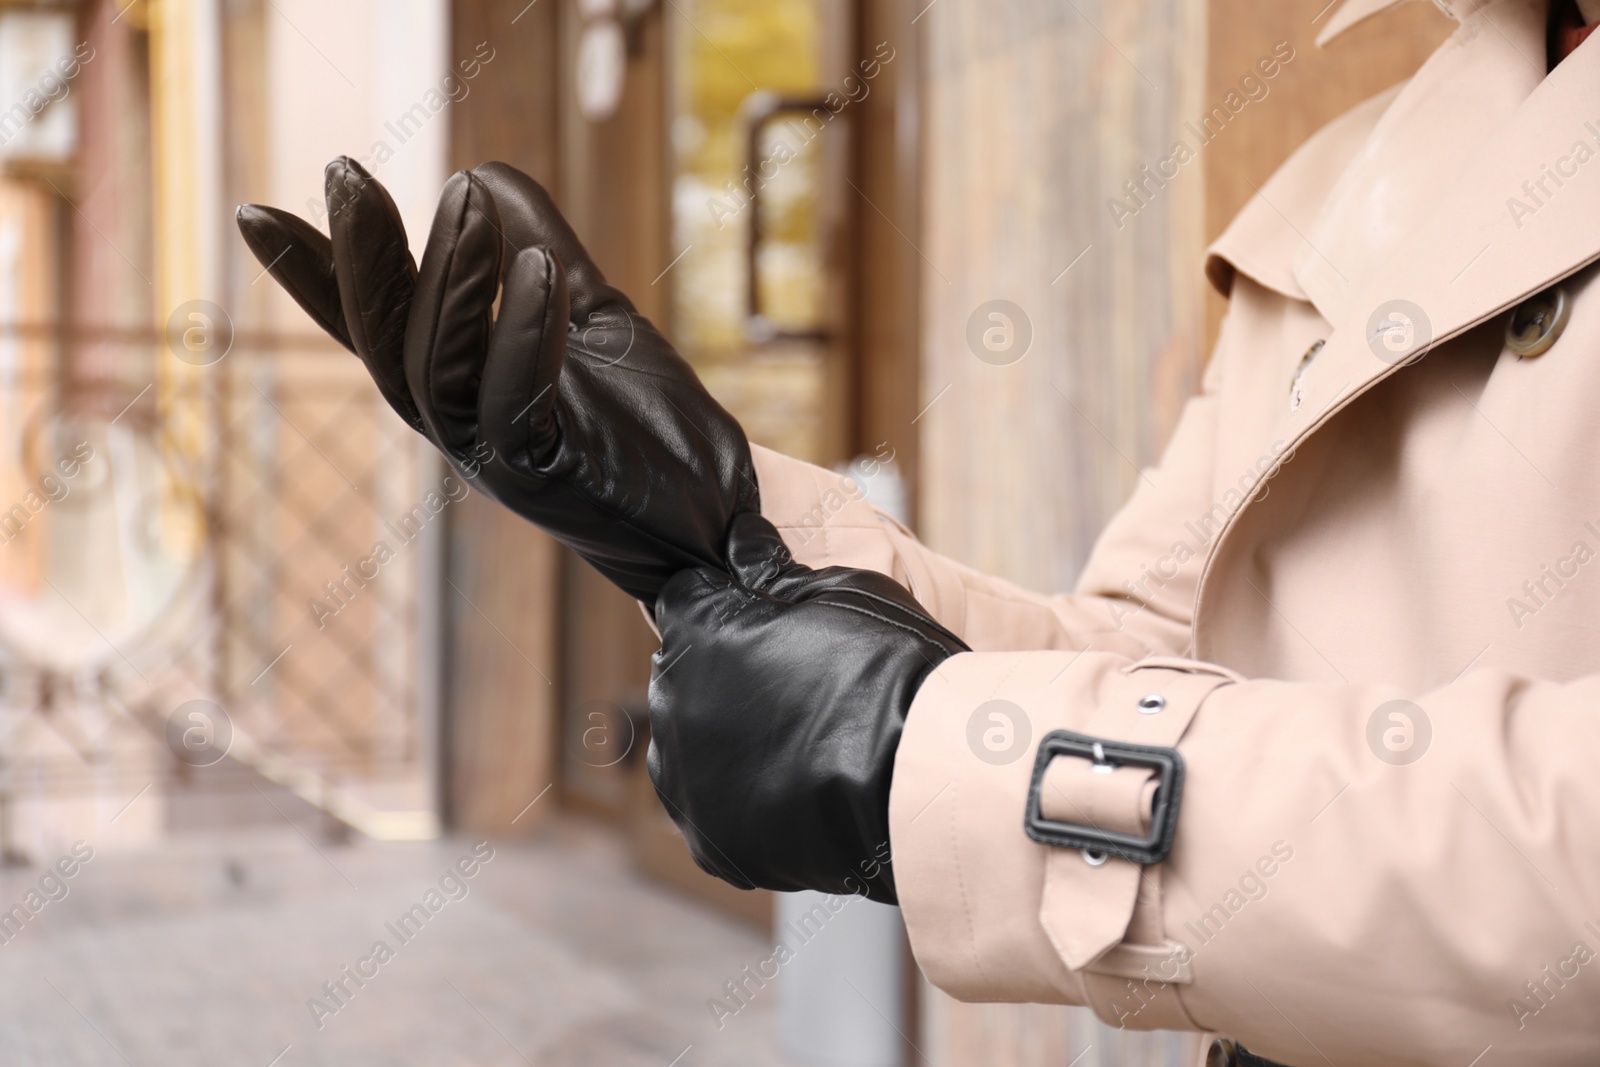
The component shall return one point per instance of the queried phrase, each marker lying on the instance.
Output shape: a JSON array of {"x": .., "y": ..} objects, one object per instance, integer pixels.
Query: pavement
[{"x": 212, "y": 947}]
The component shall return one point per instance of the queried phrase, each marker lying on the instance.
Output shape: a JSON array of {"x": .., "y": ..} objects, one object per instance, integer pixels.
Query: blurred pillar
[
  {"x": 29, "y": 274},
  {"x": 1037, "y": 116},
  {"x": 504, "y": 581},
  {"x": 109, "y": 248},
  {"x": 1038, "y": 113},
  {"x": 888, "y": 268},
  {"x": 839, "y": 994},
  {"x": 843, "y": 998},
  {"x": 186, "y": 94},
  {"x": 614, "y": 188}
]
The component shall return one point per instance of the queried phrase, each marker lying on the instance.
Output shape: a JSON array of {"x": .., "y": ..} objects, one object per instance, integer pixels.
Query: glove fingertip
[
  {"x": 344, "y": 177},
  {"x": 527, "y": 347},
  {"x": 447, "y": 333},
  {"x": 300, "y": 259},
  {"x": 343, "y": 162},
  {"x": 248, "y": 215}
]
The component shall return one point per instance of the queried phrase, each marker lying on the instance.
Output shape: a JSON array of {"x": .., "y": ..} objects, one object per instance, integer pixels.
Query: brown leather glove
[{"x": 569, "y": 408}]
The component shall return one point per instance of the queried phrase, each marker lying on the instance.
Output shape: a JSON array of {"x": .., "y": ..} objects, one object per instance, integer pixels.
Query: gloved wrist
[{"x": 777, "y": 703}]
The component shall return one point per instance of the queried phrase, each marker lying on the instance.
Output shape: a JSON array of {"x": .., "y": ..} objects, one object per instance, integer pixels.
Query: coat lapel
[
  {"x": 1522, "y": 213},
  {"x": 1472, "y": 84}
]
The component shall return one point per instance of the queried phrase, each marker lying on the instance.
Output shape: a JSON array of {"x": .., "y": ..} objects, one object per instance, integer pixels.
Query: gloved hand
[
  {"x": 569, "y": 408},
  {"x": 776, "y": 705}
]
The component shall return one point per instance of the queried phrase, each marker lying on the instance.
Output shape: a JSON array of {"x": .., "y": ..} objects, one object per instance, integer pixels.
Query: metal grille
[{"x": 261, "y": 534}]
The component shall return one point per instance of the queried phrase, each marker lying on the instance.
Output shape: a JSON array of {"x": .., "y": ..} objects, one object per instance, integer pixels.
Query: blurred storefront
[{"x": 234, "y": 586}]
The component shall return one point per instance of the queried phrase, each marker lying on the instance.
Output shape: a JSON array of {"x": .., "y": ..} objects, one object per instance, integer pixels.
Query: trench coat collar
[
  {"x": 1348, "y": 195},
  {"x": 1352, "y": 12},
  {"x": 1263, "y": 239},
  {"x": 1490, "y": 239},
  {"x": 1424, "y": 141}
]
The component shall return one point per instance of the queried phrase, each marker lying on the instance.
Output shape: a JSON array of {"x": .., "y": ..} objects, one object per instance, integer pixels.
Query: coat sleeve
[
  {"x": 1359, "y": 874},
  {"x": 826, "y": 521}
]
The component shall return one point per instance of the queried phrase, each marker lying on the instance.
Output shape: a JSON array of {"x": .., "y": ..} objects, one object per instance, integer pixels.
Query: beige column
[
  {"x": 1040, "y": 408},
  {"x": 185, "y": 92}
]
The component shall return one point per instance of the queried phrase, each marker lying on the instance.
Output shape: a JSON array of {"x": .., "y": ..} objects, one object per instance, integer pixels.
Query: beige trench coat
[{"x": 1367, "y": 588}]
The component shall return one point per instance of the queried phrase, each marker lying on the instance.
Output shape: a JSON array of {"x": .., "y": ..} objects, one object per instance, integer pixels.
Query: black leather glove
[
  {"x": 569, "y": 408},
  {"x": 776, "y": 705}
]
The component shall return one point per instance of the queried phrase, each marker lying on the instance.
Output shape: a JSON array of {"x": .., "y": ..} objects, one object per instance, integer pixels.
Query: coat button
[
  {"x": 1222, "y": 1053},
  {"x": 1299, "y": 372},
  {"x": 1537, "y": 322}
]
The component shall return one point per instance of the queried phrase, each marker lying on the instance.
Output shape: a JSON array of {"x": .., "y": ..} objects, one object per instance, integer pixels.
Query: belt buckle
[{"x": 1149, "y": 849}]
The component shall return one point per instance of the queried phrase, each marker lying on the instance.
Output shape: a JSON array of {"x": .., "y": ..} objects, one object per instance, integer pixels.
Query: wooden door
[
  {"x": 722, "y": 191},
  {"x": 501, "y": 702},
  {"x": 1037, "y": 115}
]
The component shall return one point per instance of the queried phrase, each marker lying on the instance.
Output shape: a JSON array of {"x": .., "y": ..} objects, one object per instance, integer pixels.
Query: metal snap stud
[
  {"x": 1154, "y": 704},
  {"x": 1093, "y": 858}
]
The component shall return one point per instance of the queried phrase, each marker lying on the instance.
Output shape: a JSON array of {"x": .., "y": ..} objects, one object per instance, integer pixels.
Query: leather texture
[
  {"x": 1246, "y": 1058},
  {"x": 569, "y": 407},
  {"x": 1353, "y": 880},
  {"x": 776, "y": 704}
]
